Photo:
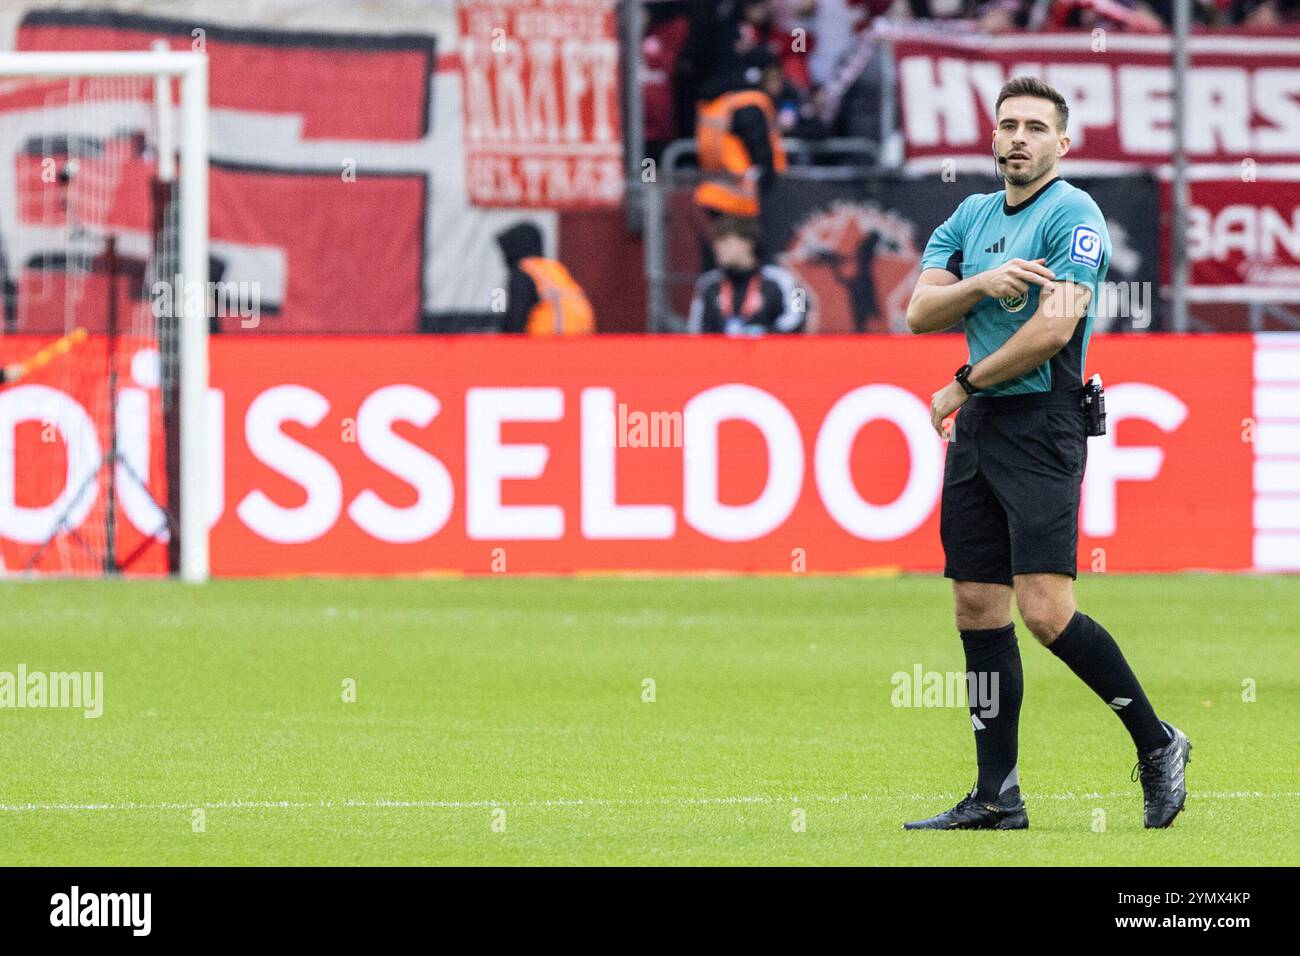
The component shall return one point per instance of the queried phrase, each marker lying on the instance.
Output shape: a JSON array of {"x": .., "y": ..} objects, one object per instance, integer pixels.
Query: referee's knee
[{"x": 1045, "y": 616}]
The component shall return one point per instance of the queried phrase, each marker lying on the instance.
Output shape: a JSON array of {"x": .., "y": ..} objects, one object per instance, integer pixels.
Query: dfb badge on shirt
[{"x": 1085, "y": 246}]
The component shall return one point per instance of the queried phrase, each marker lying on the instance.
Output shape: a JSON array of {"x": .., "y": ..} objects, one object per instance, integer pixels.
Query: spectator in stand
[
  {"x": 944, "y": 9},
  {"x": 1204, "y": 12},
  {"x": 726, "y": 34},
  {"x": 542, "y": 298},
  {"x": 706, "y": 44},
  {"x": 846, "y": 77},
  {"x": 760, "y": 26},
  {"x": 796, "y": 111},
  {"x": 744, "y": 296},
  {"x": 831, "y": 27},
  {"x": 1137, "y": 16},
  {"x": 1000, "y": 16},
  {"x": 1264, "y": 14},
  {"x": 661, "y": 52},
  {"x": 1129, "y": 15}
]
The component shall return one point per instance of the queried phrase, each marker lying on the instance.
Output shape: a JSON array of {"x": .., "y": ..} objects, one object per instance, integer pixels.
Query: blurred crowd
[{"x": 821, "y": 69}]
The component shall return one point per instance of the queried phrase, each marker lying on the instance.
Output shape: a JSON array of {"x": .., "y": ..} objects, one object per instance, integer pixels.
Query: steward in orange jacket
[
  {"x": 542, "y": 297},
  {"x": 738, "y": 140}
]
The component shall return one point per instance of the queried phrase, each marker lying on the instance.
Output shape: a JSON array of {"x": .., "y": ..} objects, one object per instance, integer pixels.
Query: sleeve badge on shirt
[{"x": 1085, "y": 246}]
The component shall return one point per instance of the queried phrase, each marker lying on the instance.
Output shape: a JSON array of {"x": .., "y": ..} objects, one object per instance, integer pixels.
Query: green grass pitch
[{"x": 502, "y": 721}]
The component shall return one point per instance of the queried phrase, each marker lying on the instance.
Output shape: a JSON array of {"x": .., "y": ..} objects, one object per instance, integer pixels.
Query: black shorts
[{"x": 1011, "y": 487}]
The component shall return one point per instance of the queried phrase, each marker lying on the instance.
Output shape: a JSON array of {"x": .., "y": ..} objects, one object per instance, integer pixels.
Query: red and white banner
[
  {"x": 339, "y": 244},
  {"x": 1242, "y": 92},
  {"x": 541, "y": 103},
  {"x": 1243, "y": 239},
  {"x": 478, "y": 455},
  {"x": 338, "y": 155}
]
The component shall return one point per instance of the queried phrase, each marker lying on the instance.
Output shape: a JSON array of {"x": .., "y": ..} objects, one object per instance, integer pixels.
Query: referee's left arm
[
  {"x": 1075, "y": 253},
  {"x": 1060, "y": 307}
]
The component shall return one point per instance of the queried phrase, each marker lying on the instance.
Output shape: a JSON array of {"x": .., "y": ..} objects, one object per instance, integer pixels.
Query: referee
[{"x": 1021, "y": 268}]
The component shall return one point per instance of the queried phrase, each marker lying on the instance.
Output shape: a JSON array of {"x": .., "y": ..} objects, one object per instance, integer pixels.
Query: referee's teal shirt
[{"x": 1059, "y": 222}]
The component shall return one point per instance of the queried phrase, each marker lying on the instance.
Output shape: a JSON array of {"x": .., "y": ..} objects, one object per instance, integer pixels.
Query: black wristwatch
[{"x": 962, "y": 378}]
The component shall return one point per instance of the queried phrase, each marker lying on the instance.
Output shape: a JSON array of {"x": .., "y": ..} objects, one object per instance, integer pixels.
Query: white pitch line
[{"x": 573, "y": 802}]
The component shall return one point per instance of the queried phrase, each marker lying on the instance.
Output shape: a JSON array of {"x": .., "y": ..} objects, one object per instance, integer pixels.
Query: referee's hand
[
  {"x": 1014, "y": 277},
  {"x": 943, "y": 403}
]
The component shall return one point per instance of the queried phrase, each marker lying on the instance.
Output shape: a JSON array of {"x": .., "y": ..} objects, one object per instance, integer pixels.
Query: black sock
[
  {"x": 1094, "y": 656},
  {"x": 994, "y": 694}
]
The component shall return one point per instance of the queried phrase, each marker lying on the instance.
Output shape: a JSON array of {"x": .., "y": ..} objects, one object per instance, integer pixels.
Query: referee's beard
[{"x": 1039, "y": 172}]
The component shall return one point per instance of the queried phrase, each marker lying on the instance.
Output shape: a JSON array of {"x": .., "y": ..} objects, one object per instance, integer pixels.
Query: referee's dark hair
[{"x": 1033, "y": 86}]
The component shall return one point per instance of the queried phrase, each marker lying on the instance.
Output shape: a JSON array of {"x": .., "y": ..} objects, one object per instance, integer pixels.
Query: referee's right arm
[
  {"x": 942, "y": 297},
  {"x": 940, "y": 300}
]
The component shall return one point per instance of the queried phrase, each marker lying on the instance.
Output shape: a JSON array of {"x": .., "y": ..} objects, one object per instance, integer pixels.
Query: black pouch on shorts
[{"x": 1094, "y": 406}]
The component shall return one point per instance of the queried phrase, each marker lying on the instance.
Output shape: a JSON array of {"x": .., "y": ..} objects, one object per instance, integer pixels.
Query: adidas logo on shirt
[{"x": 999, "y": 246}]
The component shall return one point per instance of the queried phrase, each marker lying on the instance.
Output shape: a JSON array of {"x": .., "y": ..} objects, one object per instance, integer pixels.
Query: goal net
[{"x": 103, "y": 256}]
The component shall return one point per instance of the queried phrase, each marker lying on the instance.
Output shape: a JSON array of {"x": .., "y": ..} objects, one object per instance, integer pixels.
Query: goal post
[{"x": 154, "y": 68}]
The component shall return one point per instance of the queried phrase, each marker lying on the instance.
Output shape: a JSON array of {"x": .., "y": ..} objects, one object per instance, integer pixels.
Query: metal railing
[
  {"x": 1260, "y": 312},
  {"x": 670, "y": 175}
]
